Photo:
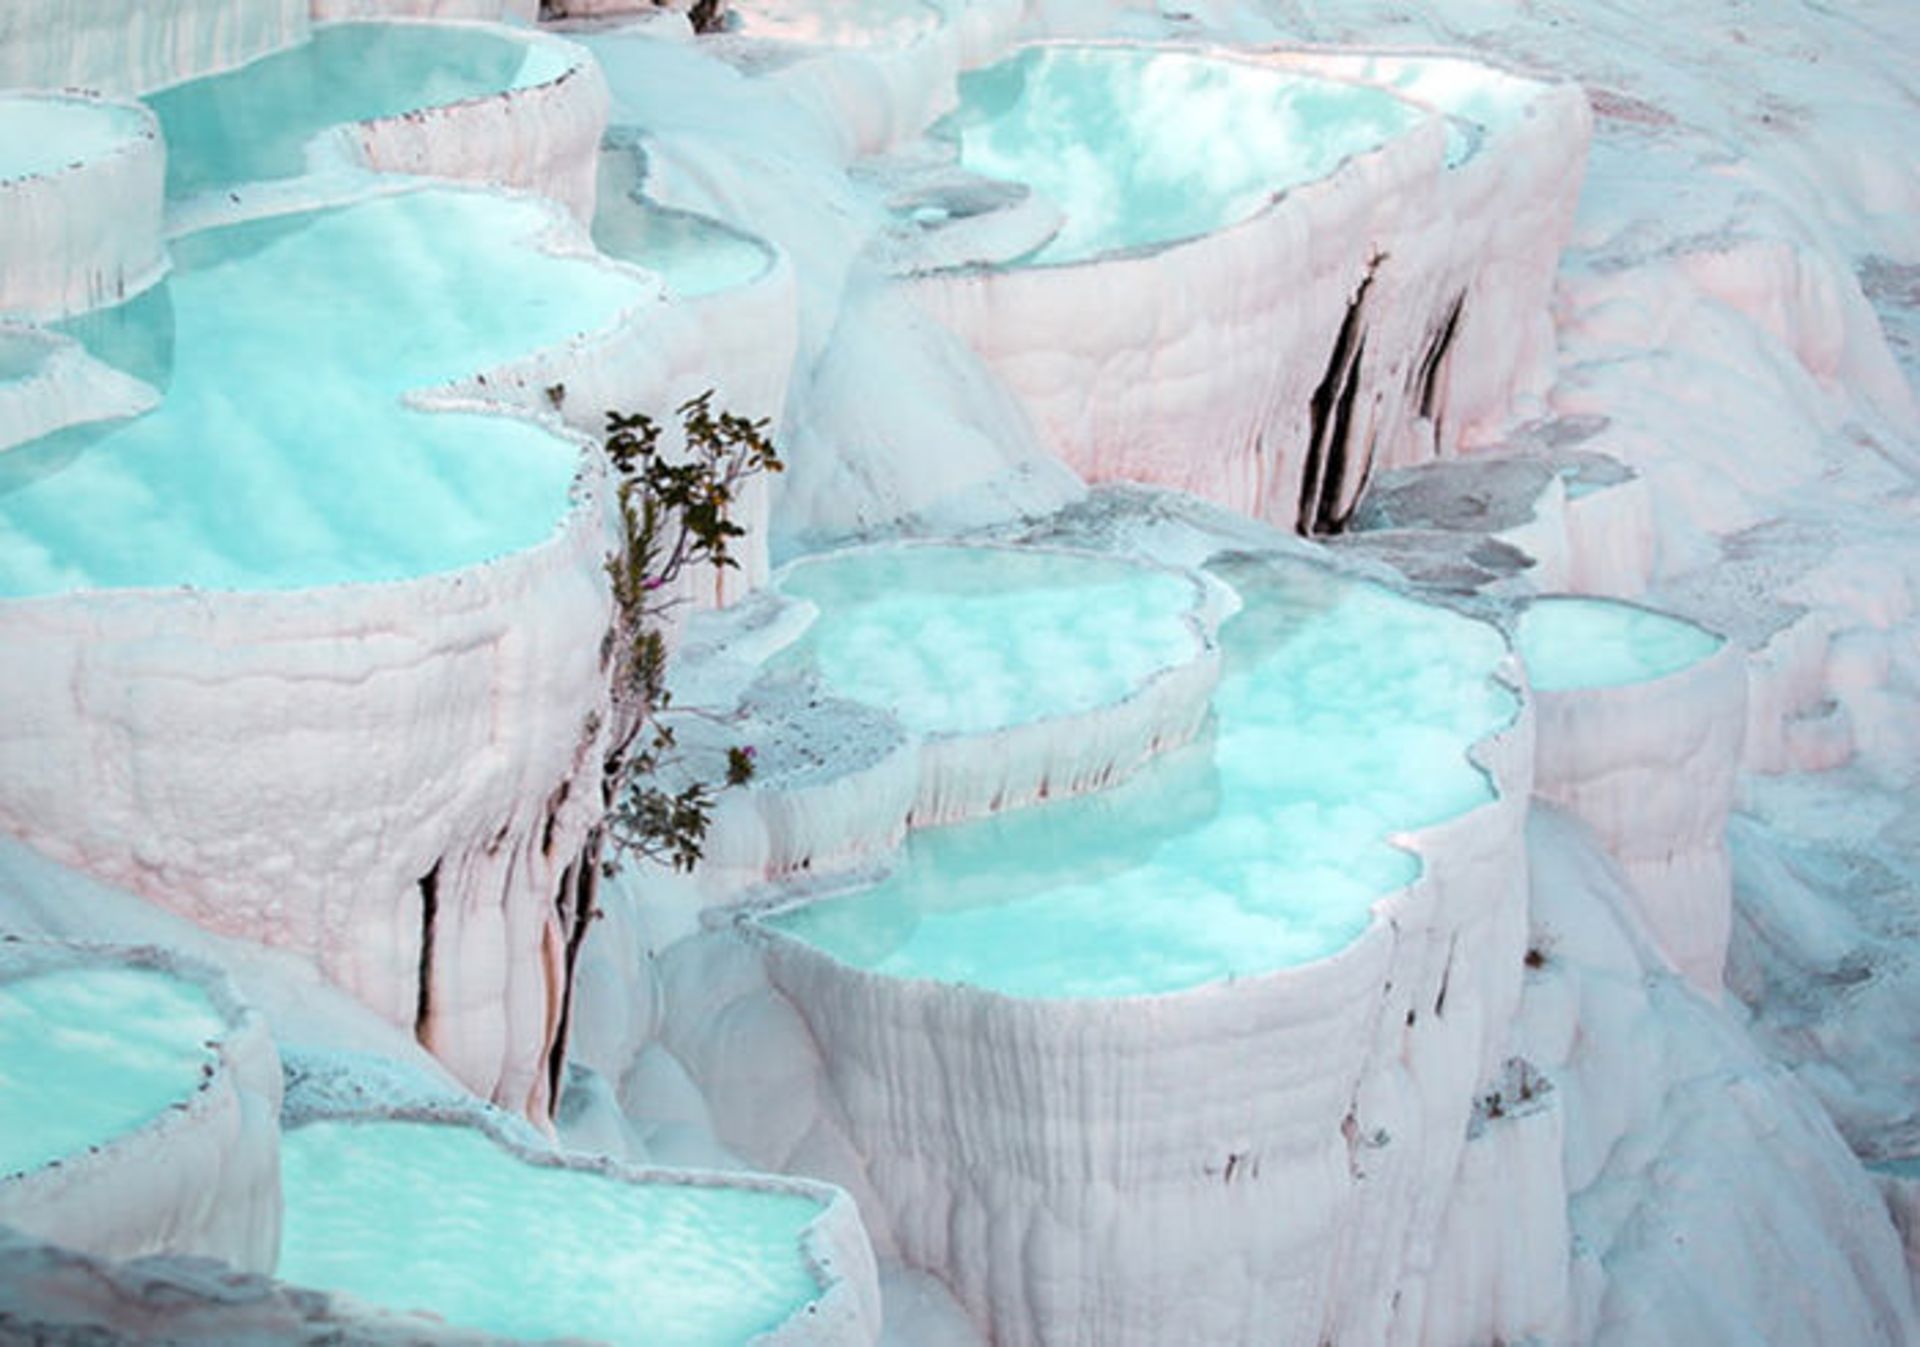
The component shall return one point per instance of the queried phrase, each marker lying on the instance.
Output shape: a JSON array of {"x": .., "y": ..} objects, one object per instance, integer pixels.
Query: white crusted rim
[
  {"x": 65, "y": 260},
  {"x": 340, "y": 167},
  {"x": 199, "y": 1178},
  {"x": 577, "y": 57},
  {"x": 143, "y": 131}
]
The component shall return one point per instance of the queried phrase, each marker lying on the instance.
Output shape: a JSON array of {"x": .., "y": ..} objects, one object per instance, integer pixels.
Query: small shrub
[{"x": 674, "y": 513}]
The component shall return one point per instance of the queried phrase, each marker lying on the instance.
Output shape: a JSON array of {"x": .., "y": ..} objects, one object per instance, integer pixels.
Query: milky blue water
[
  {"x": 42, "y": 134},
  {"x": 90, "y": 1054},
  {"x": 1574, "y": 643},
  {"x": 420, "y": 1216},
  {"x": 22, "y": 354},
  {"x": 1143, "y": 147},
  {"x": 695, "y": 256},
  {"x": 282, "y": 455},
  {"x": 959, "y": 640},
  {"x": 253, "y": 124},
  {"x": 1463, "y": 89},
  {"x": 1344, "y": 715}
]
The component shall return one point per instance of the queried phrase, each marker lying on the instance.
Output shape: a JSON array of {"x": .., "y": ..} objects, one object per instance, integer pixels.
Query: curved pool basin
[
  {"x": 284, "y": 453},
  {"x": 91, "y": 1053},
  {"x": 1143, "y": 146},
  {"x": 1343, "y": 718},
  {"x": 440, "y": 1217},
  {"x": 1572, "y": 643},
  {"x": 260, "y": 122},
  {"x": 957, "y": 640}
]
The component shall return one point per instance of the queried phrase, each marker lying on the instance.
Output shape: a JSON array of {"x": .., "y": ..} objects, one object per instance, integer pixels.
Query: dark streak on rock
[{"x": 429, "y": 914}]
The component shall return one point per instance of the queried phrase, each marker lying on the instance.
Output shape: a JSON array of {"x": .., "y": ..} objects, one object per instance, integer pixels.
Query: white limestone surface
[
  {"x": 858, "y": 23},
  {"x": 542, "y": 136},
  {"x": 879, "y": 70},
  {"x": 1641, "y": 721},
  {"x": 1516, "y": 162},
  {"x": 139, "y": 1106},
  {"x": 469, "y": 101},
  {"x": 1899, "y": 1183},
  {"x": 132, "y": 46},
  {"x": 406, "y": 1210},
  {"x": 1521, "y": 502},
  {"x": 1094, "y": 1138},
  {"x": 834, "y": 784},
  {"x": 80, "y": 203},
  {"x": 1710, "y": 1195},
  {"x": 1304, "y": 318},
  {"x": 1610, "y": 536},
  {"x": 525, "y": 11},
  {"x": 891, "y": 422},
  {"x": 268, "y": 710}
]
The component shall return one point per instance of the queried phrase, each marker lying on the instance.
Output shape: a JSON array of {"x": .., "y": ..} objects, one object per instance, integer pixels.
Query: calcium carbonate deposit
[{"x": 959, "y": 673}]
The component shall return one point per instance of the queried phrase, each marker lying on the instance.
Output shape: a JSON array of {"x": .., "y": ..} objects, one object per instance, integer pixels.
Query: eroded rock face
[
  {"x": 543, "y": 138},
  {"x": 1375, "y": 313},
  {"x": 1640, "y": 737},
  {"x": 1259, "y": 1156},
  {"x": 80, "y": 206},
  {"x": 397, "y": 778},
  {"x": 303, "y": 127},
  {"x": 139, "y": 45},
  {"x": 523, "y": 10}
]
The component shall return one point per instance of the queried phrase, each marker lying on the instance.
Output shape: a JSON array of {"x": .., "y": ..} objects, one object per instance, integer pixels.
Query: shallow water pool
[
  {"x": 1344, "y": 715},
  {"x": 23, "y": 354},
  {"x": 1141, "y": 146},
  {"x": 43, "y": 134},
  {"x": 693, "y": 255},
  {"x": 426, "y": 1216},
  {"x": 1570, "y": 644},
  {"x": 282, "y": 454},
  {"x": 89, "y": 1054},
  {"x": 255, "y": 123},
  {"x": 966, "y": 640}
]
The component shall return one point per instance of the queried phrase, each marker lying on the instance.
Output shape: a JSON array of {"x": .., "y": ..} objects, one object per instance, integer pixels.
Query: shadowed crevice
[
  {"x": 429, "y": 915},
  {"x": 1330, "y": 418}
]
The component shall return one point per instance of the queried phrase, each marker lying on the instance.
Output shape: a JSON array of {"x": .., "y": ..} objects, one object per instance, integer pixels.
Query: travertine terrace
[{"x": 1331, "y": 681}]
